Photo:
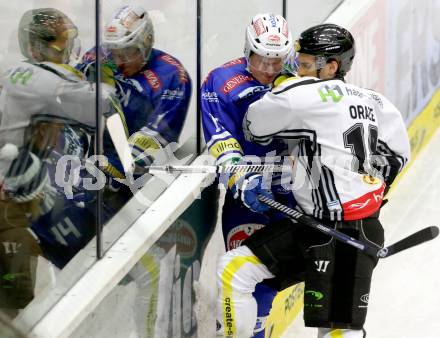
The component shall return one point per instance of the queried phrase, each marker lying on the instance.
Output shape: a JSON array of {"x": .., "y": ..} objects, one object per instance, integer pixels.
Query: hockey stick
[
  {"x": 116, "y": 129},
  {"x": 219, "y": 169},
  {"x": 371, "y": 249}
]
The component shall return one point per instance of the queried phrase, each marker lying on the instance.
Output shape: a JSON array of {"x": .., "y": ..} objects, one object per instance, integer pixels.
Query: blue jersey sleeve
[{"x": 219, "y": 127}]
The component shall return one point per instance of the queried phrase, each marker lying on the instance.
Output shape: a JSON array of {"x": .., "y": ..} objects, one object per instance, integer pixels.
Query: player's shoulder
[
  {"x": 47, "y": 74},
  {"x": 286, "y": 84},
  {"x": 165, "y": 64},
  {"x": 231, "y": 78},
  {"x": 227, "y": 70}
]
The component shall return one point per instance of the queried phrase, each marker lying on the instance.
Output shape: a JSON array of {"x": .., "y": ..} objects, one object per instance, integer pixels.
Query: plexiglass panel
[
  {"x": 224, "y": 28},
  {"x": 148, "y": 57}
]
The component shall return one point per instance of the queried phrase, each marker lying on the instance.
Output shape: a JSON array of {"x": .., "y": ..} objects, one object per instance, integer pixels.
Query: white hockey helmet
[
  {"x": 130, "y": 26},
  {"x": 268, "y": 35}
]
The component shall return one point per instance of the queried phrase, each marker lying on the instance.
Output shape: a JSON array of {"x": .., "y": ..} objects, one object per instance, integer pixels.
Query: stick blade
[{"x": 416, "y": 238}]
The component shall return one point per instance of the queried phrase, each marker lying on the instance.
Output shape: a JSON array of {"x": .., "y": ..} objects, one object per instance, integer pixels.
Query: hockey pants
[{"x": 238, "y": 272}]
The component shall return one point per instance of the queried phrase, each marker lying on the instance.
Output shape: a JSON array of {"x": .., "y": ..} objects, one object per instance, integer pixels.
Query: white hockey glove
[{"x": 23, "y": 177}]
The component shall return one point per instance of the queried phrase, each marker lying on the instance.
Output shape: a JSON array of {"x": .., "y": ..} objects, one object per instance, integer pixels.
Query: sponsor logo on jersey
[
  {"x": 183, "y": 78},
  {"x": 233, "y": 63},
  {"x": 153, "y": 80},
  {"x": 251, "y": 91},
  {"x": 234, "y": 82},
  {"x": 220, "y": 147},
  {"x": 259, "y": 27},
  {"x": 210, "y": 97},
  {"x": 354, "y": 92},
  {"x": 363, "y": 206},
  {"x": 376, "y": 98},
  {"x": 240, "y": 233},
  {"x": 172, "y": 94},
  {"x": 21, "y": 75},
  {"x": 333, "y": 92},
  {"x": 274, "y": 38}
]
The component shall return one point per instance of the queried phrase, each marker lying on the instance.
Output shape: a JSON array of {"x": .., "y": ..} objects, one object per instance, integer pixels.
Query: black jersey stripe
[{"x": 301, "y": 83}]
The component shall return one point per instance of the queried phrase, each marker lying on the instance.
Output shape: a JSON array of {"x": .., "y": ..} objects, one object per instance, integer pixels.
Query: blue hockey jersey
[
  {"x": 226, "y": 95},
  {"x": 155, "y": 100}
]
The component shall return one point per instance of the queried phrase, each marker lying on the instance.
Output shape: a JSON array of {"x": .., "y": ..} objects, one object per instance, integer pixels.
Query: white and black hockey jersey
[
  {"x": 352, "y": 143},
  {"x": 47, "y": 89}
]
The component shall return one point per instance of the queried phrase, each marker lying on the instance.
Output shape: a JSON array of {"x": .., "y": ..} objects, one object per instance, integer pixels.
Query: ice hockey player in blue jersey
[
  {"x": 153, "y": 87},
  {"x": 225, "y": 96}
]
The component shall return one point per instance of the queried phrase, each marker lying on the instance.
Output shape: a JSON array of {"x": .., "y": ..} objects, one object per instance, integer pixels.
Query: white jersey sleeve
[
  {"x": 273, "y": 114},
  {"x": 393, "y": 145}
]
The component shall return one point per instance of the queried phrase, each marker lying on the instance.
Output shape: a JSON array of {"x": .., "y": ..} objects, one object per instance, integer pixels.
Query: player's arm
[
  {"x": 165, "y": 123},
  {"x": 268, "y": 116},
  {"x": 393, "y": 145},
  {"x": 68, "y": 92},
  {"x": 219, "y": 128}
]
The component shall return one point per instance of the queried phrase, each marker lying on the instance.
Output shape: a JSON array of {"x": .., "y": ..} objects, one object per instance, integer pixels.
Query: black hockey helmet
[
  {"x": 329, "y": 41},
  {"x": 39, "y": 27}
]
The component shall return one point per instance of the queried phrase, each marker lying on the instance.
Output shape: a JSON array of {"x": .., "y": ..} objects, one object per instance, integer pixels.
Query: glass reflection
[
  {"x": 153, "y": 89},
  {"x": 47, "y": 113}
]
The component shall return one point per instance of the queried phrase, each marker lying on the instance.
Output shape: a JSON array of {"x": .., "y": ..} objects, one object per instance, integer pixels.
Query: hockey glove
[
  {"x": 144, "y": 147},
  {"x": 248, "y": 188}
]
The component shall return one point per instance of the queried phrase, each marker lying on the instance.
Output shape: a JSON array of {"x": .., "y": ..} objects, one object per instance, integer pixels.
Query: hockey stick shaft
[
  {"x": 417, "y": 238},
  {"x": 219, "y": 169}
]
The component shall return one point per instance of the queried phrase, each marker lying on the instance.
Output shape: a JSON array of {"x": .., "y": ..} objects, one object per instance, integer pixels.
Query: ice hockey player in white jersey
[
  {"x": 352, "y": 144},
  {"x": 39, "y": 98}
]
